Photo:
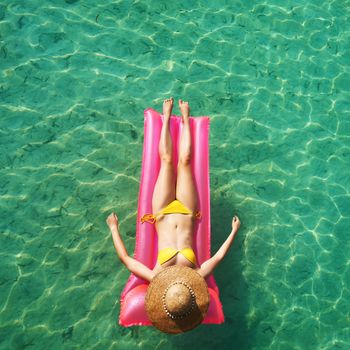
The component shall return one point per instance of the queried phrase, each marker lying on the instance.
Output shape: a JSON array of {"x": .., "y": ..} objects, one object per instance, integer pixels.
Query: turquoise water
[{"x": 75, "y": 78}]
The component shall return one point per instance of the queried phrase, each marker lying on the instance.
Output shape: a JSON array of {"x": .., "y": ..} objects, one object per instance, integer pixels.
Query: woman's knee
[
  {"x": 185, "y": 159},
  {"x": 166, "y": 158}
]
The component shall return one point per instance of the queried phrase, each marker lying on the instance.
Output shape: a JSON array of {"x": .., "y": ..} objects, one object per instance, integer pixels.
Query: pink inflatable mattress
[{"x": 133, "y": 296}]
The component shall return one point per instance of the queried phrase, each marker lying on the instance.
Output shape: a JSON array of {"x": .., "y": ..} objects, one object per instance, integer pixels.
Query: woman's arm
[
  {"x": 208, "y": 266},
  {"x": 131, "y": 264}
]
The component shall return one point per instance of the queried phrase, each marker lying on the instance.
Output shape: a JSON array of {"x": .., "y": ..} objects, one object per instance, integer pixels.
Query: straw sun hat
[{"x": 177, "y": 299}]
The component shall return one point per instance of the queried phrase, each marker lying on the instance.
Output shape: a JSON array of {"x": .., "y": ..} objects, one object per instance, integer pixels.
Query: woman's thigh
[
  {"x": 164, "y": 190},
  {"x": 186, "y": 190}
]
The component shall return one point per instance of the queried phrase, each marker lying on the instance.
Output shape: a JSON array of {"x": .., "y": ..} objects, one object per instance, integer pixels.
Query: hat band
[{"x": 173, "y": 315}]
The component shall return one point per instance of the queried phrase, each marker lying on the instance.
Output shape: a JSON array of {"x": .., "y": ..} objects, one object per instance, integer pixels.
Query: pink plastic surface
[{"x": 132, "y": 300}]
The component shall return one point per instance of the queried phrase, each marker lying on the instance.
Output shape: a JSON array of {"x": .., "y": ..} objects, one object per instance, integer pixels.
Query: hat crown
[{"x": 178, "y": 299}]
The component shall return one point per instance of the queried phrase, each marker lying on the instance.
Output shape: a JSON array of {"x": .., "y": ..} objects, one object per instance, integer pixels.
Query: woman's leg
[
  {"x": 186, "y": 190},
  {"x": 164, "y": 190}
]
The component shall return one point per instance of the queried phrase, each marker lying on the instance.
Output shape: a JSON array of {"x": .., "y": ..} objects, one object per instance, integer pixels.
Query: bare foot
[
  {"x": 112, "y": 221},
  {"x": 185, "y": 109},
  {"x": 168, "y": 107}
]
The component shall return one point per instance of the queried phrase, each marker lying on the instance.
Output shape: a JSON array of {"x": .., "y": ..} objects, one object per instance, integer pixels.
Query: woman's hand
[
  {"x": 235, "y": 224},
  {"x": 112, "y": 221}
]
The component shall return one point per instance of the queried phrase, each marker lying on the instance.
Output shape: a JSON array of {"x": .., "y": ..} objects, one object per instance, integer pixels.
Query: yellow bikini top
[
  {"x": 167, "y": 253},
  {"x": 174, "y": 207}
]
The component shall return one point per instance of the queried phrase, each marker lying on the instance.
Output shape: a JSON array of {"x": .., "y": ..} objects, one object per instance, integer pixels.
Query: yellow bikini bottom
[
  {"x": 167, "y": 253},
  {"x": 174, "y": 207}
]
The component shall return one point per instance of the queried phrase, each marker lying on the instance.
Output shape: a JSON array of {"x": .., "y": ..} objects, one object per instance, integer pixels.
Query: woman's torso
[{"x": 175, "y": 231}]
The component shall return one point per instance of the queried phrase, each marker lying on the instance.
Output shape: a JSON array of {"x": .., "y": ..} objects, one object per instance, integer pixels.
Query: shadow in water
[{"x": 233, "y": 333}]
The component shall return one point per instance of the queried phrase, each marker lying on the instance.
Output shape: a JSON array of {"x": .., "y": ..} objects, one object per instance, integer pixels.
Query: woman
[{"x": 175, "y": 208}]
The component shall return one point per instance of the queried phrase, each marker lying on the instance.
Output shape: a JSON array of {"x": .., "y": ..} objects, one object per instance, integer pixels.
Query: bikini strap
[
  {"x": 148, "y": 218},
  {"x": 198, "y": 215}
]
